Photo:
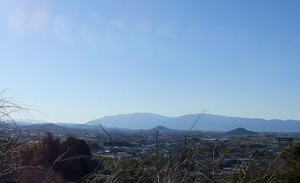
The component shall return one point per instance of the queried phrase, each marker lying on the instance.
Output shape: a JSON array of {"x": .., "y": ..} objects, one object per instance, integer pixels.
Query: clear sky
[{"x": 78, "y": 60}]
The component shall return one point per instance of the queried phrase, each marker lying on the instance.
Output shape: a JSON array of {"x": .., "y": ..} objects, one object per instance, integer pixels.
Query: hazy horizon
[
  {"x": 77, "y": 61},
  {"x": 125, "y": 114}
]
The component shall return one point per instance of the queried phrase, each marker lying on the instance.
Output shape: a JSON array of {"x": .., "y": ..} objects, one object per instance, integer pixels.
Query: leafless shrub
[{"x": 12, "y": 167}]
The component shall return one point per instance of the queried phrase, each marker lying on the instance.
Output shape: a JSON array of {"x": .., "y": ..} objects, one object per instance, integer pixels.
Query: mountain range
[{"x": 207, "y": 122}]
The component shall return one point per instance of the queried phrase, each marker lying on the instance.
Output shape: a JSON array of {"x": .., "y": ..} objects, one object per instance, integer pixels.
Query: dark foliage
[
  {"x": 292, "y": 164},
  {"x": 71, "y": 159},
  {"x": 75, "y": 161}
]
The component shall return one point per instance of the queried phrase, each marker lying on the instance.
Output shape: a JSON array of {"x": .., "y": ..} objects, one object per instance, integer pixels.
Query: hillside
[
  {"x": 163, "y": 129},
  {"x": 240, "y": 131},
  {"x": 131, "y": 121},
  {"x": 46, "y": 127}
]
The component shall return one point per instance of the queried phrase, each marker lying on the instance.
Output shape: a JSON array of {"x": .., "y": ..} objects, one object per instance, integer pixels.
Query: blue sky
[{"x": 78, "y": 60}]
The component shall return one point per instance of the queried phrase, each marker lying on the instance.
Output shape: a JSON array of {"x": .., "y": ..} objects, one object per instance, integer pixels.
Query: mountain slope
[
  {"x": 132, "y": 121},
  {"x": 240, "y": 131}
]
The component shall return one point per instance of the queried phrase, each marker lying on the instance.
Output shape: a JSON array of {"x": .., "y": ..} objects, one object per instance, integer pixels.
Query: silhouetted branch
[{"x": 200, "y": 116}]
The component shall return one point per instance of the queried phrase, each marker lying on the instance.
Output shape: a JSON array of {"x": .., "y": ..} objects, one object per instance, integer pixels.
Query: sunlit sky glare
[{"x": 78, "y": 60}]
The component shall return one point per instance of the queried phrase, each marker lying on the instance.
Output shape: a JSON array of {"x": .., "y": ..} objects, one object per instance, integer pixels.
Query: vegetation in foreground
[{"x": 53, "y": 160}]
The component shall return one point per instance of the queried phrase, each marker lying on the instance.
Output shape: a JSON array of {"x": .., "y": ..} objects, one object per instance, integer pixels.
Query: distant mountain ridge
[
  {"x": 209, "y": 122},
  {"x": 131, "y": 121}
]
